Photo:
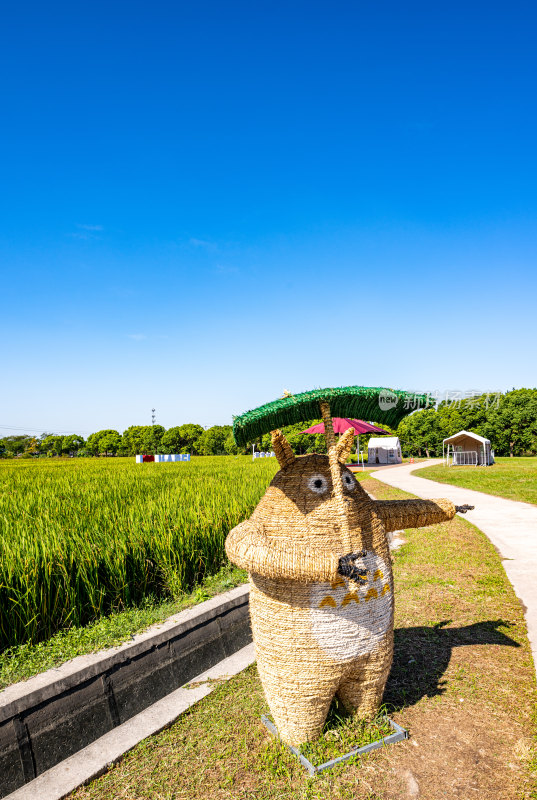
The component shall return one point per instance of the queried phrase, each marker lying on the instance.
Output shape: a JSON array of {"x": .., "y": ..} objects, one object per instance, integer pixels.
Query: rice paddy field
[{"x": 80, "y": 538}]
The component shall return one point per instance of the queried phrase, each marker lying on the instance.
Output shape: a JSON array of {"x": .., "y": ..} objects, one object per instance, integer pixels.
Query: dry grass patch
[{"x": 462, "y": 683}]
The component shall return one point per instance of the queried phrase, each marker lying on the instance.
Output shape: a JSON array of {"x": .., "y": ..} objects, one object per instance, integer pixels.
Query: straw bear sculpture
[{"x": 321, "y": 585}]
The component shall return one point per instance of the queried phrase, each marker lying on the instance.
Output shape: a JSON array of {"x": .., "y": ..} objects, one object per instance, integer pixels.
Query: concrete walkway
[{"x": 511, "y": 527}]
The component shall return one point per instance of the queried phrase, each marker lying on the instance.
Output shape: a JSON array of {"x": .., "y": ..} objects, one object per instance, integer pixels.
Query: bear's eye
[
  {"x": 349, "y": 482},
  {"x": 318, "y": 484}
]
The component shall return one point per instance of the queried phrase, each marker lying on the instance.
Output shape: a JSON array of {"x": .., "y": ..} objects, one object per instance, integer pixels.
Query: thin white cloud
[
  {"x": 86, "y": 232},
  {"x": 210, "y": 247},
  {"x": 225, "y": 269},
  {"x": 137, "y": 336}
]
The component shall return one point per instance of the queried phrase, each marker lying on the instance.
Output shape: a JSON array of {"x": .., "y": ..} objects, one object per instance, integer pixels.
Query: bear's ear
[
  {"x": 344, "y": 446},
  {"x": 282, "y": 449}
]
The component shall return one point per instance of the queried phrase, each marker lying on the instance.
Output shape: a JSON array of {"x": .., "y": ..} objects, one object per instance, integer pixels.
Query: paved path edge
[{"x": 510, "y": 525}]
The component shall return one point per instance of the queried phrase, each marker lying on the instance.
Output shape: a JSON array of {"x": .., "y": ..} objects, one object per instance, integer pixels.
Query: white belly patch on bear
[{"x": 349, "y": 618}]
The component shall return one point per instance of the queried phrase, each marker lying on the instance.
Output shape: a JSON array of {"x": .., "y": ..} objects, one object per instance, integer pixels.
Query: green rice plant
[{"x": 81, "y": 538}]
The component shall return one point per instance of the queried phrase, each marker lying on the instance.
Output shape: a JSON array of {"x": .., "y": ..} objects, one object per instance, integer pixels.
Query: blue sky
[{"x": 205, "y": 203}]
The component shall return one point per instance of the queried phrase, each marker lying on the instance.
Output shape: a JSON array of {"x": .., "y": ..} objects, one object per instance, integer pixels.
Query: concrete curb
[
  {"x": 93, "y": 760},
  {"x": 50, "y": 717}
]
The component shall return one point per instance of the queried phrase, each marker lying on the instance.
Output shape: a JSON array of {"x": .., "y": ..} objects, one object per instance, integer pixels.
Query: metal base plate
[{"x": 398, "y": 736}]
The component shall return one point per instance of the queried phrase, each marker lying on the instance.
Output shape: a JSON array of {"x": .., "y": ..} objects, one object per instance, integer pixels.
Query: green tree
[
  {"x": 301, "y": 443},
  {"x": 15, "y": 445},
  {"x": 511, "y": 426},
  {"x": 32, "y": 447},
  {"x": 110, "y": 442},
  {"x": 152, "y": 439},
  {"x": 139, "y": 439},
  {"x": 72, "y": 443},
  {"x": 229, "y": 445},
  {"x": 182, "y": 439},
  {"x": 132, "y": 440},
  {"x": 51, "y": 444},
  {"x": 233, "y": 449},
  {"x": 212, "y": 441},
  {"x": 420, "y": 432},
  {"x": 469, "y": 414},
  {"x": 92, "y": 444},
  {"x": 104, "y": 442}
]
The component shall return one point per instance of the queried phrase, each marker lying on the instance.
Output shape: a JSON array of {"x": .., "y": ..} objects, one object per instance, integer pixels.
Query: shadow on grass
[{"x": 422, "y": 654}]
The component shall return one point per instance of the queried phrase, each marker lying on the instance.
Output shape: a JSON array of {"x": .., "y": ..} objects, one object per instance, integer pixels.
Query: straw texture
[
  {"x": 397, "y": 515},
  {"x": 250, "y": 548},
  {"x": 316, "y": 632},
  {"x": 363, "y": 402},
  {"x": 345, "y": 445},
  {"x": 282, "y": 449},
  {"x": 337, "y": 480}
]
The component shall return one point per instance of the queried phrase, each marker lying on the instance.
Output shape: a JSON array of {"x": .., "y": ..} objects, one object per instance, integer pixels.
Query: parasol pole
[{"x": 335, "y": 472}]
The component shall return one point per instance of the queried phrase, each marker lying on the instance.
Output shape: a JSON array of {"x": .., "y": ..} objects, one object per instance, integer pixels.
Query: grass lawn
[
  {"x": 462, "y": 683},
  {"x": 514, "y": 478}
]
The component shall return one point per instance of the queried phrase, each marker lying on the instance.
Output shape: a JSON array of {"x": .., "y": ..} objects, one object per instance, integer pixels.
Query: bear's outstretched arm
[
  {"x": 249, "y": 547},
  {"x": 399, "y": 514}
]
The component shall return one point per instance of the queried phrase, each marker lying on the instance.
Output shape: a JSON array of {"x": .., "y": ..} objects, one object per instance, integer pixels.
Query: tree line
[
  {"x": 508, "y": 420},
  {"x": 188, "y": 438}
]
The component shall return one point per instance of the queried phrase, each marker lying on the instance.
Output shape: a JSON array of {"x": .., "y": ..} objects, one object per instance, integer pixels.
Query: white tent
[
  {"x": 384, "y": 450},
  {"x": 467, "y": 449}
]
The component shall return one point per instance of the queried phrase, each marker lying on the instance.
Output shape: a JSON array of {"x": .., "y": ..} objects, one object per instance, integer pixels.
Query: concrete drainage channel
[{"x": 65, "y": 726}]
